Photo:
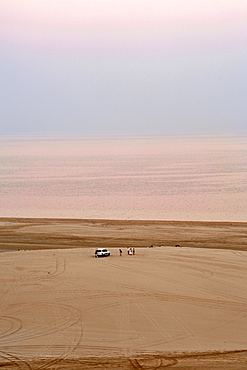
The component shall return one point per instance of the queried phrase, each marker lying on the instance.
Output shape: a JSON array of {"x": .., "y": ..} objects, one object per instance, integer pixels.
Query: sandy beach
[{"x": 181, "y": 307}]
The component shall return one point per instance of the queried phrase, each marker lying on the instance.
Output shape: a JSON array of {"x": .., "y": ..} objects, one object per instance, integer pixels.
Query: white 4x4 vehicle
[{"x": 101, "y": 252}]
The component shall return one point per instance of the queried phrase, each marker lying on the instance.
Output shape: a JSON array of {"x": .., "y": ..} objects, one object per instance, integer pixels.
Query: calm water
[{"x": 169, "y": 178}]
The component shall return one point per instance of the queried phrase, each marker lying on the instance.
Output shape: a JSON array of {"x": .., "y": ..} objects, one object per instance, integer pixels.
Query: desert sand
[{"x": 182, "y": 307}]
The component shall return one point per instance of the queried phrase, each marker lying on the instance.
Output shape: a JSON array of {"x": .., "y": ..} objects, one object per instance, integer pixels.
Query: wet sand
[
  {"x": 181, "y": 307},
  {"x": 38, "y": 233}
]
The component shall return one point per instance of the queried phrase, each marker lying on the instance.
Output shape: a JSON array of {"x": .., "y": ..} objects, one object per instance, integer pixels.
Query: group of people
[{"x": 130, "y": 251}]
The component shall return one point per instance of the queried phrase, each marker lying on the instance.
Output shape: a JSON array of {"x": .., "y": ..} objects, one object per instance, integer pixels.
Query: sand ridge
[{"x": 166, "y": 306}]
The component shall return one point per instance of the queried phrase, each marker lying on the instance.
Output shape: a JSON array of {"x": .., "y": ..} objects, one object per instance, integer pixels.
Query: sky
[{"x": 110, "y": 67}]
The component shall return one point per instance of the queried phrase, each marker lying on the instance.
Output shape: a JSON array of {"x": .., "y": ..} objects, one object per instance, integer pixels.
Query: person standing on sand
[
  {"x": 133, "y": 250},
  {"x": 120, "y": 252}
]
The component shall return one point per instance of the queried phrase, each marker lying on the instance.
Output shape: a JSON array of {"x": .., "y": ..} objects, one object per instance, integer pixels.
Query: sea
[{"x": 186, "y": 177}]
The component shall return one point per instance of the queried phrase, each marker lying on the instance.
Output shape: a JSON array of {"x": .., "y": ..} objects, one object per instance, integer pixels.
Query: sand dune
[{"x": 163, "y": 307}]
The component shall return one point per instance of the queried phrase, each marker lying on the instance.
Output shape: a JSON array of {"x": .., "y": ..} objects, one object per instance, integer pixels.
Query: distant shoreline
[
  {"x": 7, "y": 218},
  {"x": 53, "y": 233}
]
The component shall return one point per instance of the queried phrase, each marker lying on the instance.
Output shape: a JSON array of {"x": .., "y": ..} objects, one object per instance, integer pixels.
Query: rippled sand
[{"x": 61, "y": 308}]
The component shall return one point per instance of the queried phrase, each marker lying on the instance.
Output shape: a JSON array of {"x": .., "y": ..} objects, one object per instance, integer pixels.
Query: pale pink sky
[
  {"x": 62, "y": 22},
  {"x": 124, "y": 67}
]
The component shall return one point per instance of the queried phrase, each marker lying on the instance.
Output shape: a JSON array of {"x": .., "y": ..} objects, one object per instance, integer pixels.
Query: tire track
[
  {"x": 69, "y": 317},
  {"x": 48, "y": 317},
  {"x": 14, "y": 360},
  {"x": 153, "y": 364},
  {"x": 238, "y": 301},
  {"x": 14, "y": 326}
]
